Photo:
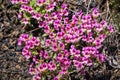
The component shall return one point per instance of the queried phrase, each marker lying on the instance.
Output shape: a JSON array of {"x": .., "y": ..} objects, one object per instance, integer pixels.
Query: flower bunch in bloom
[{"x": 60, "y": 49}]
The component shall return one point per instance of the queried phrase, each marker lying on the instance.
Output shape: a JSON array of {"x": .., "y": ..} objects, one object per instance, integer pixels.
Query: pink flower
[
  {"x": 47, "y": 29},
  {"x": 20, "y": 14},
  {"x": 19, "y": 42},
  {"x": 41, "y": 2},
  {"x": 73, "y": 51},
  {"x": 33, "y": 39},
  {"x": 50, "y": 7},
  {"x": 25, "y": 21},
  {"x": 84, "y": 19},
  {"x": 74, "y": 19},
  {"x": 54, "y": 47},
  {"x": 46, "y": 56},
  {"x": 61, "y": 46},
  {"x": 59, "y": 57},
  {"x": 65, "y": 12},
  {"x": 35, "y": 59},
  {"x": 30, "y": 44},
  {"x": 67, "y": 38},
  {"x": 45, "y": 66},
  {"x": 66, "y": 20},
  {"x": 41, "y": 53},
  {"x": 77, "y": 54},
  {"x": 101, "y": 57},
  {"x": 15, "y": 1},
  {"x": 52, "y": 66},
  {"x": 95, "y": 13},
  {"x": 47, "y": 42},
  {"x": 24, "y": 51},
  {"x": 46, "y": 16},
  {"x": 111, "y": 29},
  {"x": 37, "y": 70},
  {"x": 103, "y": 23},
  {"x": 66, "y": 53},
  {"x": 28, "y": 55},
  {"x": 63, "y": 71},
  {"x": 31, "y": 71},
  {"x": 59, "y": 35},
  {"x": 56, "y": 78},
  {"x": 26, "y": 8},
  {"x": 66, "y": 62},
  {"x": 36, "y": 15},
  {"x": 54, "y": 15},
  {"x": 51, "y": 35},
  {"x": 89, "y": 17},
  {"x": 37, "y": 43},
  {"x": 99, "y": 27},
  {"x": 64, "y": 6},
  {"x": 25, "y": 1},
  {"x": 37, "y": 77}
]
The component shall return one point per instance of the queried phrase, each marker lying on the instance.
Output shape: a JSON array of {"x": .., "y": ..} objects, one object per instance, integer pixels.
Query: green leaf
[
  {"x": 38, "y": 9},
  {"x": 26, "y": 15},
  {"x": 44, "y": 35},
  {"x": 30, "y": 36},
  {"x": 54, "y": 55},
  {"x": 43, "y": 78},
  {"x": 33, "y": 3},
  {"x": 35, "y": 53},
  {"x": 48, "y": 1}
]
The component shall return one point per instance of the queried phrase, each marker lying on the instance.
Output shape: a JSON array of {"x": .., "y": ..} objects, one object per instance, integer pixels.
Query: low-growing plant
[{"x": 67, "y": 45}]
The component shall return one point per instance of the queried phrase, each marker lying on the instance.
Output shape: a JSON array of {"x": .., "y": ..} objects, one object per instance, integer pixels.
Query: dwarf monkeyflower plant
[{"x": 67, "y": 44}]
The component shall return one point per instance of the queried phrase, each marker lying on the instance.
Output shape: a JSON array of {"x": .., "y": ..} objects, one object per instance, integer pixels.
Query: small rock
[
  {"x": 1, "y": 35},
  {"x": 17, "y": 66},
  {"x": 4, "y": 47}
]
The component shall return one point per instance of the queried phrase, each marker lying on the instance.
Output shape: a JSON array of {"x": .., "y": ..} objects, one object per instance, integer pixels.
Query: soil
[{"x": 13, "y": 66}]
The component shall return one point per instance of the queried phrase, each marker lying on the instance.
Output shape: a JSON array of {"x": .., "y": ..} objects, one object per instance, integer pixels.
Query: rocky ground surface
[{"x": 13, "y": 66}]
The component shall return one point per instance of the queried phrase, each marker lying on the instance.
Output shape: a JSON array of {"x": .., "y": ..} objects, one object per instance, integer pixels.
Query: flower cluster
[{"x": 66, "y": 44}]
